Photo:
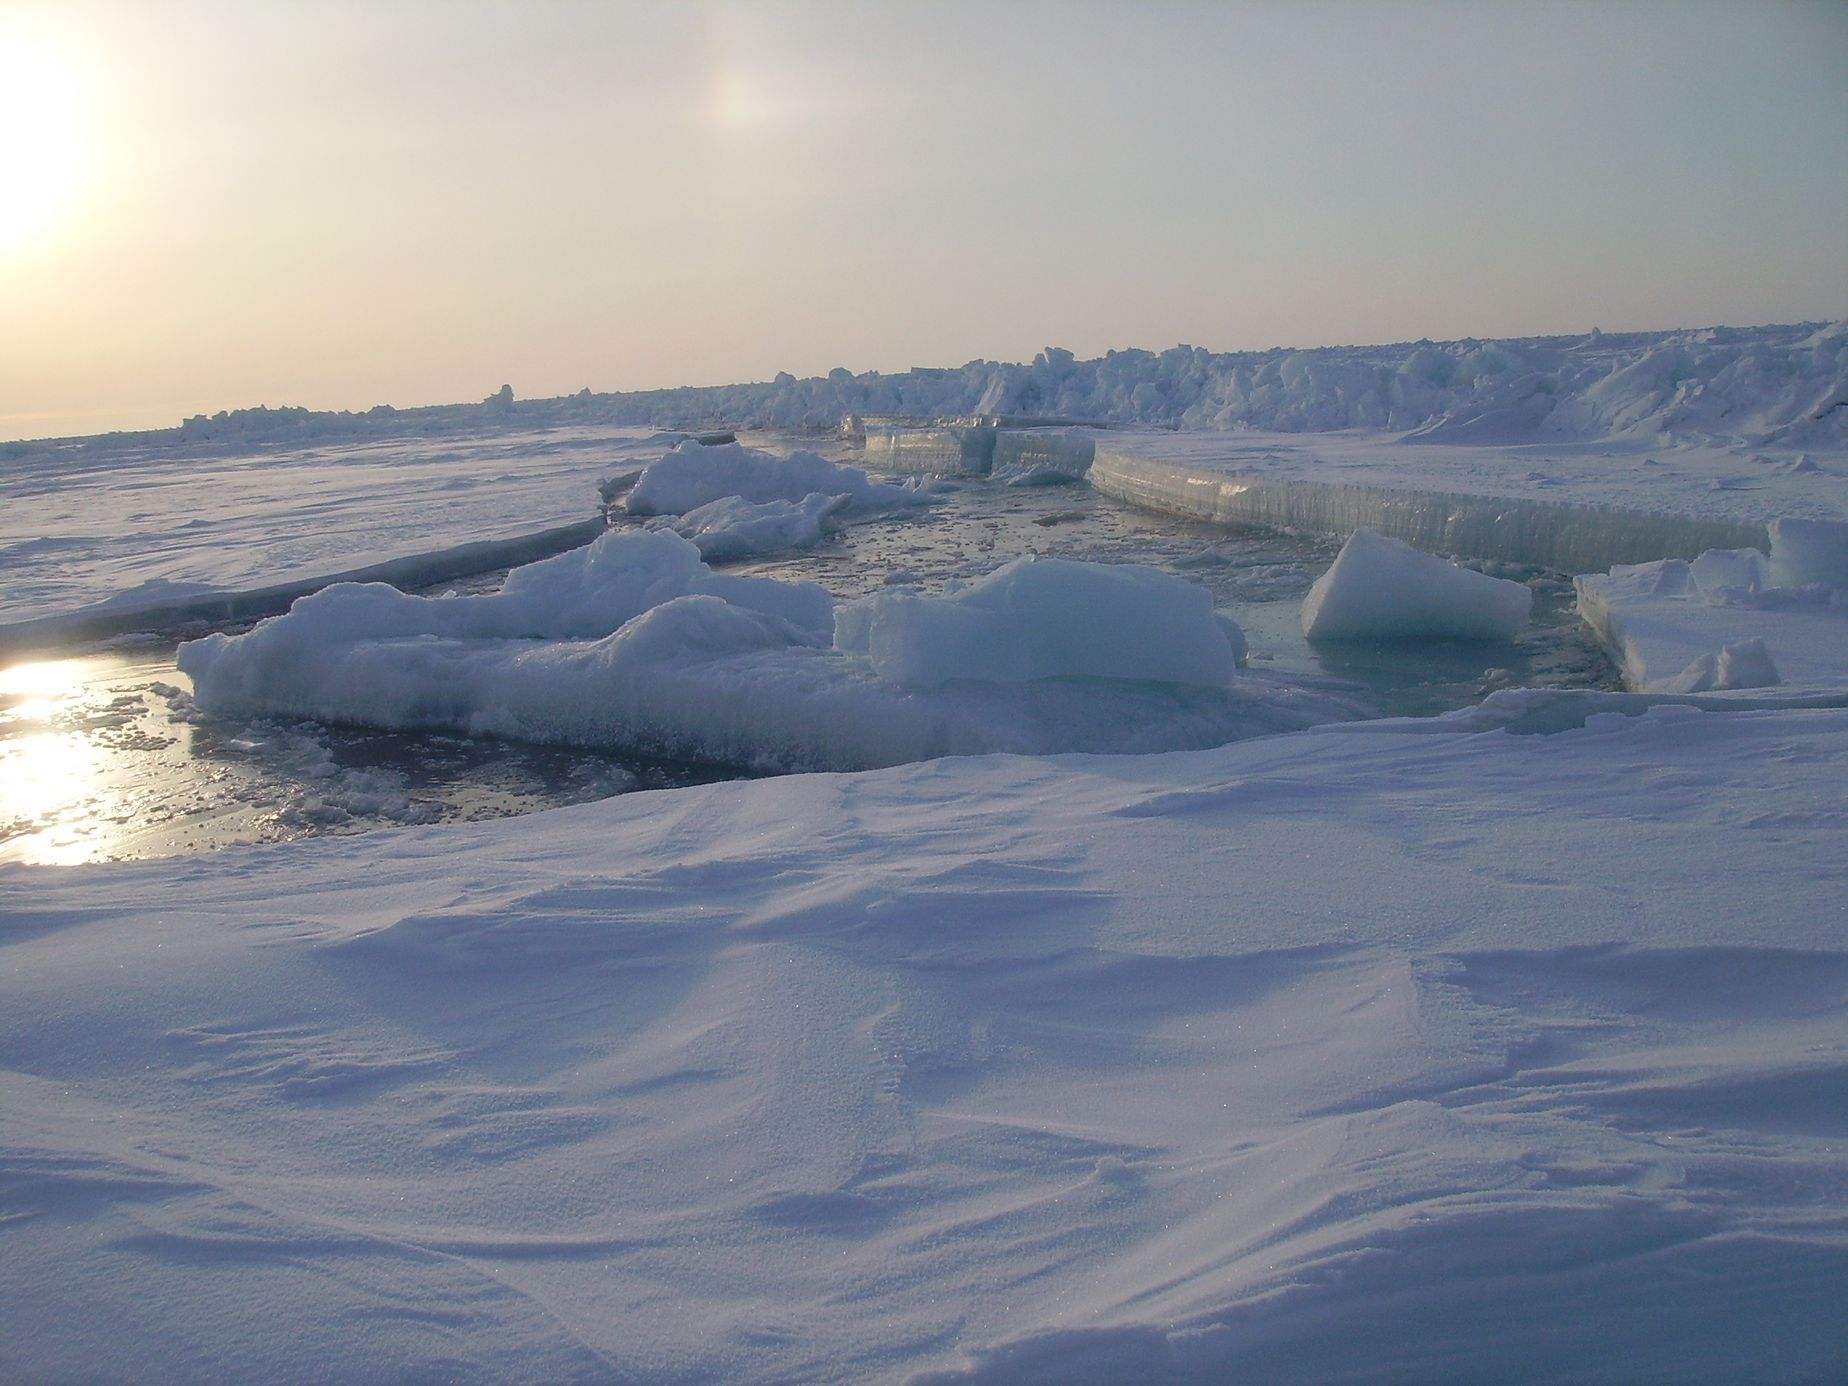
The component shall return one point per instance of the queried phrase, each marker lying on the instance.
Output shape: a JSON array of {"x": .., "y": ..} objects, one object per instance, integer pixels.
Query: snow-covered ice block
[
  {"x": 1381, "y": 588},
  {"x": 699, "y": 679},
  {"x": 1719, "y": 572},
  {"x": 1046, "y": 618},
  {"x": 587, "y": 593},
  {"x": 669, "y": 659},
  {"x": 1809, "y": 551},
  {"x": 734, "y": 528},
  {"x": 693, "y": 475},
  {"x": 1747, "y": 664},
  {"x": 1671, "y": 625}
]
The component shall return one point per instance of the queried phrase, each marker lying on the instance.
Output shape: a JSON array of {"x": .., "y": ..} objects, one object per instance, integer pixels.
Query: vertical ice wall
[
  {"x": 1571, "y": 538},
  {"x": 932, "y": 451},
  {"x": 977, "y": 449}
]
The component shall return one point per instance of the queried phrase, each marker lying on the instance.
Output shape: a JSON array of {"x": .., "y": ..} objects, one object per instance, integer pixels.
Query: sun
[{"x": 42, "y": 141}]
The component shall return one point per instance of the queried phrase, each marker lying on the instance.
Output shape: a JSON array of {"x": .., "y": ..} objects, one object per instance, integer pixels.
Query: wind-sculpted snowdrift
[
  {"x": 1388, "y": 1052},
  {"x": 634, "y": 643}
]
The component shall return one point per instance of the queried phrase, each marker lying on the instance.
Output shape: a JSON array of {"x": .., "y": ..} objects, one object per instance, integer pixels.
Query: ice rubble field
[{"x": 1506, "y": 1045}]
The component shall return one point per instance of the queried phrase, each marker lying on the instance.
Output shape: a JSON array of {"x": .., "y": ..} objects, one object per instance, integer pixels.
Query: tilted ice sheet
[
  {"x": 1470, "y": 503},
  {"x": 1383, "y": 589}
]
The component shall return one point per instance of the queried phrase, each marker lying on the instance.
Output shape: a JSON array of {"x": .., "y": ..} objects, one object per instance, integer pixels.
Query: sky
[{"x": 207, "y": 204}]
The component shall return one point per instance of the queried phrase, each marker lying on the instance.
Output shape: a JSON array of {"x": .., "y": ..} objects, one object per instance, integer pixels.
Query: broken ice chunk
[
  {"x": 1746, "y": 664},
  {"x": 1382, "y": 588}
]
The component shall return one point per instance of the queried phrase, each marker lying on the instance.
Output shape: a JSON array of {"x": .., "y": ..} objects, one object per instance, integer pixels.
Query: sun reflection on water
[
  {"x": 49, "y": 782},
  {"x": 50, "y": 774},
  {"x": 35, "y": 690}
]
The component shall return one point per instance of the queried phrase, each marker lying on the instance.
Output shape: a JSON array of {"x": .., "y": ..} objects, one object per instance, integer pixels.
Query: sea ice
[
  {"x": 634, "y": 643},
  {"x": 1047, "y": 618},
  {"x": 1809, "y": 551},
  {"x": 693, "y": 475},
  {"x": 733, "y": 528},
  {"x": 1381, "y": 588},
  {"x": 1728, "y": 619},
  {"x": 1512, "y": 1056},
  {"x": 1747, "y": 664},
  {"x": 1724, "y": 574}
]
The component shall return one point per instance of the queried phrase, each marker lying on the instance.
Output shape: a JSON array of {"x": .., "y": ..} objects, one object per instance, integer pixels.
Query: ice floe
[
  {"x": 1382, "y": 588},
  {"x": 634, "y": 643}
]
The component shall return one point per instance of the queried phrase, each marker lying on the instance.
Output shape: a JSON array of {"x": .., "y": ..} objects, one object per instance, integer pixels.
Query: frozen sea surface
[
  {"x": 1394, "y": 1051},
  {"x": 1503, "y": 1045}
]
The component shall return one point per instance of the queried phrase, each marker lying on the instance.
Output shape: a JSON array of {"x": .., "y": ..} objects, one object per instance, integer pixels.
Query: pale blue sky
[{"x": 223, "y": 204}]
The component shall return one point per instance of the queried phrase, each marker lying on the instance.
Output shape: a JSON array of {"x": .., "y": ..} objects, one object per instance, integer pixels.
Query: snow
[
  {"x": 634, "y": 644},
  {"x": 1772, "y": 387},
  {"x": 1381, "y": 588},
  {"x": 1047, "y": 618},
  {"x": 1399, "y": 1049},
  {"x": 1506, "y": 1044},
  {"x": 1719, "y": 622},
  {"x": 173, "y": 530},
  {"x": 1808, "y": 551},
  {"x": 732, "y": 528},
  {"x": 694, "y": 475},
  {"x": 1578, "y": 452}
]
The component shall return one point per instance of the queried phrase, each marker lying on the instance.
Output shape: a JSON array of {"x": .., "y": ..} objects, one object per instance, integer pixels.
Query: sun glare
[
  {"x": 738, "y": 101},
  {"x": 31, "y": 690},
  {"x": 42, "y": 143}
]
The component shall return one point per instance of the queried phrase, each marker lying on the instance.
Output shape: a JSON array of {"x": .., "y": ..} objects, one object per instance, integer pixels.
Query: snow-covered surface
[
  {"x": 736, "y": 502},
  {"x": 1394, "y": 1051},
  {"x": 1782, "y": 387},
  {"x": 633, "y": 644},
  {"x": 1502, "y": 1045},
  {"x": 1670, "y": 624},
  {"x": 694, "y": 475},
  {"x": 1700, "y": 481},
  {"x": 140, "y": 528},
  {"x": 1806, "y": 552},
  {"x": 732, "y": 528},
  {"x": 1382, "y": 589}
]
